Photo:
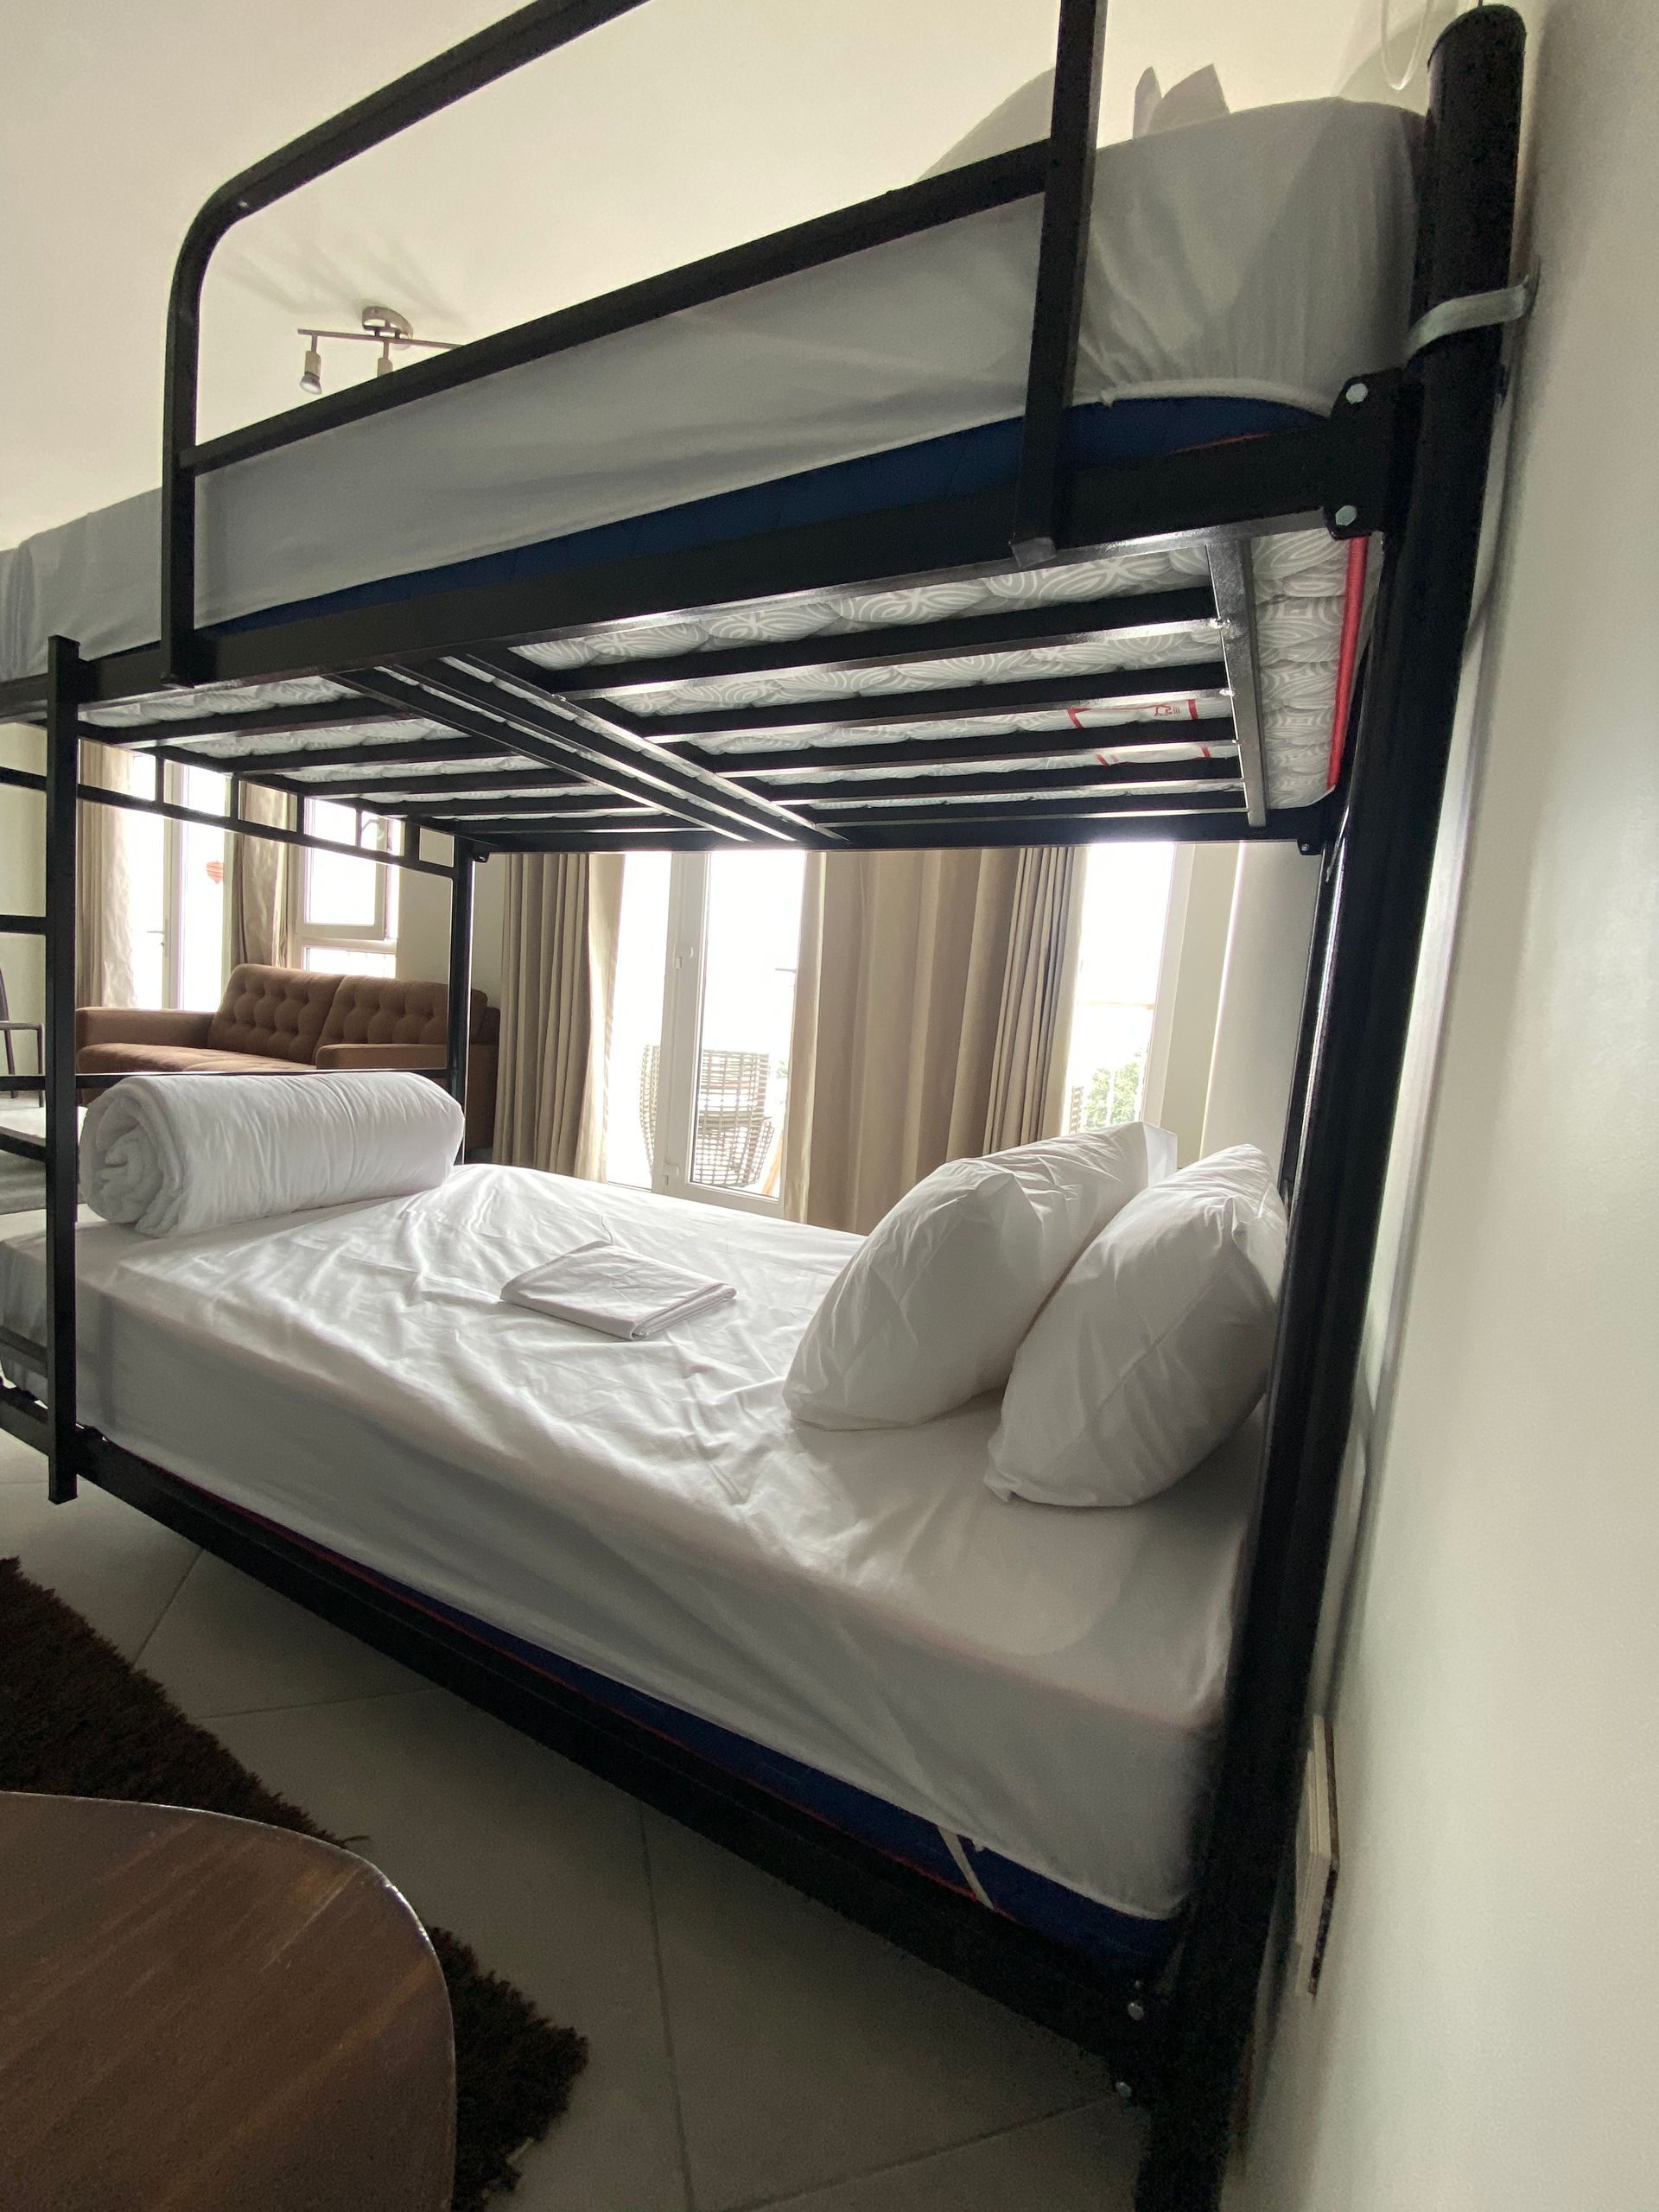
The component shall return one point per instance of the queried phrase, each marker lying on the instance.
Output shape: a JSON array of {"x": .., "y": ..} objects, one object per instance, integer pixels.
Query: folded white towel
[
  {"x": 174, "y": 1152},
  {"x": 601, "y": 1286}
]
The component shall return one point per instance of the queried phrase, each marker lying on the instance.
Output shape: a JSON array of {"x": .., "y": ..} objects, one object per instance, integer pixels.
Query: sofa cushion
[
  {"x": 139, "y": 1025},
  {"x": 174, "y": 1059},
  {"x": 393, "y": 1010},
  {"x": 277, "y": 1012}
]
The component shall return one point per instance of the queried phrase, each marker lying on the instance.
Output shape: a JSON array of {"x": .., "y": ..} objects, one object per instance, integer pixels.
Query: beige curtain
[
  {"x": 105, "y": 923},
  {"x": 558, "y": 972},
  {"x": 256, "y": 883},
  {"x": 931, "y": 1011}
]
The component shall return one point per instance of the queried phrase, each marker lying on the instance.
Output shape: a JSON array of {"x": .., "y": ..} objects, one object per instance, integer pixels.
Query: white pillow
[
  {"x": 1155, "y": 1347},
  {"x": 931, "y": 1309}
]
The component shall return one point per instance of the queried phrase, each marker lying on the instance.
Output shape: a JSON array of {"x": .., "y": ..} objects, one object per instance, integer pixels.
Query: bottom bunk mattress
[{"x": 1041, "y": 1688}]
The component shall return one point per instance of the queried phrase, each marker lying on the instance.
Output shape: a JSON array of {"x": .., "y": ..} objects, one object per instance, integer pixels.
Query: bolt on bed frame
[{"x": 529, "y": 759}]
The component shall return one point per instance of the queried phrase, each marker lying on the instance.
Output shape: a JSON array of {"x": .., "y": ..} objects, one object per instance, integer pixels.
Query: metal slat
[
  {"x": 1172, "y": 776},
  {"x": 957, "y": 701},
  {"x": 1014, "y": 783},
  {"x": 512, "y": 734},
  {"x": 1229, "y": 568},
  {"x": 384, "y": 795},
  {"x": 660, "y": 837},
  {"x": 1036, "y": 812},
  {"x": 998, "y": 745},
  {"x": 1224, "y": 826},
  {"x": 1063, "y": 622},
  {"x": 1300, "y": 825},
  {"x": 647, "y": 770},
  {"x": 298, "y": 759},
  {"x": 1217, "y": 732},
  {"x": 253, "y": 721},
  {"x": 438, "y": 813}
]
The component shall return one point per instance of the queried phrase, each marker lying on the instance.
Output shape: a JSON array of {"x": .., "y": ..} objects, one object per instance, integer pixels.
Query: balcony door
[{"x": 698, "y": 1067}]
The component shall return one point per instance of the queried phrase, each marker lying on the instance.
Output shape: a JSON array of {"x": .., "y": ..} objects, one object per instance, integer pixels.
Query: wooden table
[{"x": 211, "y": 2016}]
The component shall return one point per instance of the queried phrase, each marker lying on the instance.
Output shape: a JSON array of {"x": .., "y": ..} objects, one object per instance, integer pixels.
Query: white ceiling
[{"x": 685, "y": 127}]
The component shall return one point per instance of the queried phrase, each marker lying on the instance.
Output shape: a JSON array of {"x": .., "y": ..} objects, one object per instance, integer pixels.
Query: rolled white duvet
[{"x": 170, "y": 1153}]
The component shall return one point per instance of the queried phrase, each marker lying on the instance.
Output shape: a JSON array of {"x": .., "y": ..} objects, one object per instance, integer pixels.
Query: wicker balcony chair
[{"x": 732, "y": 1135}]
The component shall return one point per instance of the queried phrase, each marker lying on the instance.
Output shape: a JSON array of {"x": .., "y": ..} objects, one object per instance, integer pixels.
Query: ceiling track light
[{"x": 382, "y": 326}]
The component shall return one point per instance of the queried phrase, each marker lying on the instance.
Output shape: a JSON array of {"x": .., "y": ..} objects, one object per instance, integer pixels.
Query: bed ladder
[{"x": 56, "y": 1431}]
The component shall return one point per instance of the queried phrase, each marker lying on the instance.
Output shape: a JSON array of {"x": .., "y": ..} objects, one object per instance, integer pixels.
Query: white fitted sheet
[
  {"x": 1048, "y": 1684},
  {"x": 1266, "y": 255}
]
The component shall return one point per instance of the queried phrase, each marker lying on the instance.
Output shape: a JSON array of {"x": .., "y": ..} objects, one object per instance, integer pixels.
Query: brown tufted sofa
[{"x": 281, "y": 1019}]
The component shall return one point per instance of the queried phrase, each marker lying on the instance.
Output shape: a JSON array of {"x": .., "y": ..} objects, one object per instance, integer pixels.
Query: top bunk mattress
[
  {"x": 1260, "y": 258},
  {"x": 1048, "y": 1684}
]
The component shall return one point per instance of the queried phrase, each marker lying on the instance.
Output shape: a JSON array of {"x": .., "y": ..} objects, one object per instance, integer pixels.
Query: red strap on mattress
[{"x": 1353, "y": 604}]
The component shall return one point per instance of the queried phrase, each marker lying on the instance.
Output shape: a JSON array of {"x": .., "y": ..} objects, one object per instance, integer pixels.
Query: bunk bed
[{"x": 1074, "y": 605}]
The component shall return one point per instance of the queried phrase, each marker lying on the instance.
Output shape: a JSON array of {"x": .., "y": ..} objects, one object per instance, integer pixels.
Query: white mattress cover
[
  {"x": 1047, "y": 1684},
  {"x": 1266, "y": 255}
]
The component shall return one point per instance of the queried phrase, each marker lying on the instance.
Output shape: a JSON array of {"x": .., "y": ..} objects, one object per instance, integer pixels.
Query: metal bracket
[
  {"x": 1360, "y": 493},
  {"x": 1362, "y": 483},
  {"x": 1472, "y": 311}
]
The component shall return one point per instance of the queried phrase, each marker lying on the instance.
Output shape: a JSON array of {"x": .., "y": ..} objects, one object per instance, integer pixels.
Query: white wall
[
  {"x": 424, "y": 924},
  {"x": 677, "y": 130},
  {"x": 1260, "y": 1014},
  {"x": 1201, "y": 901},
  {"x": 1486, "y": 2035}
]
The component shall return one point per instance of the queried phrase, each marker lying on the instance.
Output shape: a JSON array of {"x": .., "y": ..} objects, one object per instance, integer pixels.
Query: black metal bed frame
[{"x": 504, "y": 756}]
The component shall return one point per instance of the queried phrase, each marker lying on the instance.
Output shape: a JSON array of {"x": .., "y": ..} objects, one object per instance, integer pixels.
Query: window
[
  {"x": 175, "y": 872},
  {"x": 345, "y": 911},
  {"x": 1111, "y": 1065},
  {"x": 697, "y": 1078}
]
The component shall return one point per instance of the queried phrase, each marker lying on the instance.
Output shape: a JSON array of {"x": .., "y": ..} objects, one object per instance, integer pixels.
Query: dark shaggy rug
[{"x": 77, "y": 1720}]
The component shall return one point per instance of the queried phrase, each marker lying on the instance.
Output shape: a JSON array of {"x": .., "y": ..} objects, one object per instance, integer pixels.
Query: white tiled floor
[{"x": 749, "y": 2049}]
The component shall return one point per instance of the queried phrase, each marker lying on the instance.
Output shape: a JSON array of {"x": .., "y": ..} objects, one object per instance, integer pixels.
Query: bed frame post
[
  {"x": 1068, "y": 192},
  {"x": 460, "y": 971},
  {"x": 64, "y": 687},
  {"x": 179, "y": 387},
  {"x": 1399, "y": 773},
  {"x": 1318, "y": 950}
]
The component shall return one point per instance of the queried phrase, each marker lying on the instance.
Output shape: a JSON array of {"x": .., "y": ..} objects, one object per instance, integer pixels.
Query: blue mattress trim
[
  {"x": 935, "y": 469},
  {"x": 1101, "y": 1933}
]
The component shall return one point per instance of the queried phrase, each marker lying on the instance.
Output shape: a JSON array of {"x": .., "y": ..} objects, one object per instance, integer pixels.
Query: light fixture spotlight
[{"x": 382, "y": 326}]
